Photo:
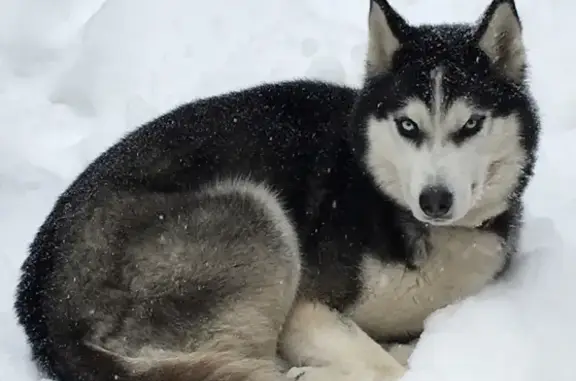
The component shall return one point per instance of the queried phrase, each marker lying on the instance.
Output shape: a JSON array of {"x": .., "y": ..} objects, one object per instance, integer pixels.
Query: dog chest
[{"x": 395, "y": 300}]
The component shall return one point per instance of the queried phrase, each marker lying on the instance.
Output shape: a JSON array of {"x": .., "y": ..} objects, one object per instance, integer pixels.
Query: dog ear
[
  {"x": 499, "y": 35},
  {"x": 386, "y": 31}
]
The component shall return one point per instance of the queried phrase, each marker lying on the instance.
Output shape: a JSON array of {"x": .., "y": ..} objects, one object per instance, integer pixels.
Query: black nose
[{"x": 436, "y": 201}]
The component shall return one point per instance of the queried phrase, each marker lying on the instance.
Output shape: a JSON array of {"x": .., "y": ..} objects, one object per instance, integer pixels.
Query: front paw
[
  {"x": 333, "y": 373},
  {"x": 298, "y": 373}
]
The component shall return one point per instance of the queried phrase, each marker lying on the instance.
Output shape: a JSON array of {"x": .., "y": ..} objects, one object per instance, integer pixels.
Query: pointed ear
[
  {"x": 499, "y": 35},
  {"x": 386, "y": 31}
]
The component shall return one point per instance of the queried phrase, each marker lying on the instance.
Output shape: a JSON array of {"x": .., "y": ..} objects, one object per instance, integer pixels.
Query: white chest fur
[{"x": 395, "y": 300}]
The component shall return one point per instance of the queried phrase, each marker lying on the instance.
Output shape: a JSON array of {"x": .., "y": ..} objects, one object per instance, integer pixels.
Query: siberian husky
[{"x": 293, "y": 230}]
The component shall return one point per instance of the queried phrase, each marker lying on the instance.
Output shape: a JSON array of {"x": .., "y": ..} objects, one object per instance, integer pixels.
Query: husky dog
[{"x": 292, "y": 230}]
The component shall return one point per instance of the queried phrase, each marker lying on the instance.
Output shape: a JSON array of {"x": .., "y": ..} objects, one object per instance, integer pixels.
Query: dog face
[{"x": 444, "y": 113}]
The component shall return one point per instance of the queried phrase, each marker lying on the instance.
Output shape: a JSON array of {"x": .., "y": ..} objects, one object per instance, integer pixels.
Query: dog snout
[{"x": 436, "y": 201}]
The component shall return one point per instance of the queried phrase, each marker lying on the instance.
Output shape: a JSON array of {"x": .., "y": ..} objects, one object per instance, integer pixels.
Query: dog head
[{"x": 444, "y": 123}]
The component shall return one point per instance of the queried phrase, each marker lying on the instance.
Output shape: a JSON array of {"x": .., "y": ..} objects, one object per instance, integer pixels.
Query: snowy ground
[{"x": 75, "y": 75}]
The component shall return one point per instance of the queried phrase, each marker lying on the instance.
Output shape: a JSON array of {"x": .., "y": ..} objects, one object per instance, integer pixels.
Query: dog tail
[
  {"x": 100, "y": 364},
  {"x": 211, "y": 367}
]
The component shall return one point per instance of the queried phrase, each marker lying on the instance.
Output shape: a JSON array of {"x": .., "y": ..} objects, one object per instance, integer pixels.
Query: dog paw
[
  {"x": 320, "y": 373},
  {"x": 296, "y": 373},
  {"x": 332, "y": 373}
]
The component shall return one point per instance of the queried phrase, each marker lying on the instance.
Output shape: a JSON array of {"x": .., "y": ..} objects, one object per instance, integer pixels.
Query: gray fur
[{"x": 131, "y": 269}]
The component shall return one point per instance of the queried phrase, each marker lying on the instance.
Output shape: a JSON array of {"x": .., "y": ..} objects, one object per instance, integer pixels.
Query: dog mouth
[
  {"x": 436, "y": 221},
  {"x": 445, "y": 220}
]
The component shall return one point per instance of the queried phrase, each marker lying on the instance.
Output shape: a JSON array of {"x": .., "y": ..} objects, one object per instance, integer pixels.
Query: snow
[{"x": 76, "y": 75}]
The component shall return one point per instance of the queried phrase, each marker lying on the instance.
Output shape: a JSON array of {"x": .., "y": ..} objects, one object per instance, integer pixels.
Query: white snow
[{"x": 76, "y": 75}]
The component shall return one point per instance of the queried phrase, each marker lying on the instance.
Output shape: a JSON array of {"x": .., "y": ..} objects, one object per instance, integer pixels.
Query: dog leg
[{"x": 325, "y": 345}]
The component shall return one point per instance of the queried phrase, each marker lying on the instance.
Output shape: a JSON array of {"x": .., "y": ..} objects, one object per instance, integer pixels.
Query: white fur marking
[
  {"x": 401, "y": 169},
  {"x": 462, "y": 261},
  {"x": 316, "y": 336},
  {"x": 437, "y": 97}
]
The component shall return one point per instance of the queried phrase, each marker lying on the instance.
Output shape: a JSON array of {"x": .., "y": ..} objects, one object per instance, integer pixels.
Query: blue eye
[
  {"x": 473, "y": 126},
  {"x": 408, "y": 129},
  {"x": 475, "y": 122},
  {"x": 408, "y": 125}
]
